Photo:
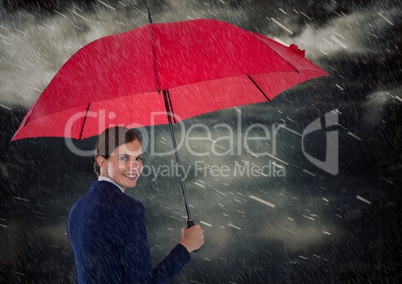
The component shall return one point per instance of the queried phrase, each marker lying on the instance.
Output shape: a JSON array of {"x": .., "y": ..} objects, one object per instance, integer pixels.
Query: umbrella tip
[{"x": 149, "y": 13}]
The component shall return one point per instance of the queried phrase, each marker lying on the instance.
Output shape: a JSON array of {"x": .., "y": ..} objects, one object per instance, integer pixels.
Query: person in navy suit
[{"x": 107, "y": 228}]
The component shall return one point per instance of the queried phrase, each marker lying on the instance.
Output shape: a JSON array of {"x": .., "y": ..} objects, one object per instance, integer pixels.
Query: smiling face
[{"x": 124, "y": 164}]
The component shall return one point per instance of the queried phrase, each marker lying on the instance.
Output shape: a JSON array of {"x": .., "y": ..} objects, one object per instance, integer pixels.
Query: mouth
[{"x": 131, "y": 176}]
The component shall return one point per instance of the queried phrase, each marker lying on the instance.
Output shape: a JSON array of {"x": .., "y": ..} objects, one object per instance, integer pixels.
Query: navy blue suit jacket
[{"x": 108, "y": 236}]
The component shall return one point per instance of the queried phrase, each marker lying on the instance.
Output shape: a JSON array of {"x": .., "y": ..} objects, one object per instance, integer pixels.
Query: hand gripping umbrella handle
[{"x": 190, "y": 223}]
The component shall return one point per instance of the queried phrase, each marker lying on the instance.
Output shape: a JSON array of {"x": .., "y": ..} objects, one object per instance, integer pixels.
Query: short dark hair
[{"x": 110, "y": 139}]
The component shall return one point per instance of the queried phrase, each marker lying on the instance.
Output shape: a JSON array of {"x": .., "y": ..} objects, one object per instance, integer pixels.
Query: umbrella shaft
[{"x": 178, "y": 163}]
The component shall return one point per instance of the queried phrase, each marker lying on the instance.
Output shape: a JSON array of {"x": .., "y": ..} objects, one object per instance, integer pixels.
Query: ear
[{"x": 102, "y": 162}]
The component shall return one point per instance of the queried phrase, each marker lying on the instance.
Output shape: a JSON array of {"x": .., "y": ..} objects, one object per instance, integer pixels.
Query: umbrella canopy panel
[{"x": 206, "y": 65}]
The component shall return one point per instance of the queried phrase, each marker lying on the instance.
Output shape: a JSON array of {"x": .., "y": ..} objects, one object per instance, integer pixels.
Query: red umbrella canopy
[{"x": 203, "y": 65}]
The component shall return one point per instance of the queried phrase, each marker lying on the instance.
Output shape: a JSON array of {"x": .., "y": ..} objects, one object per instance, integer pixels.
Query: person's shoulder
[
  {"x": 132, "y": 203},
  {"x": 81, "y": 201},
  {"x": 105, "y": 196},
  {"x": 115, "y": 196}
]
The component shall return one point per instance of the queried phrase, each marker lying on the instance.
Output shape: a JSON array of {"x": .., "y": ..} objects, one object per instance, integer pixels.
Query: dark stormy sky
[{"x": 314, "y": 227}]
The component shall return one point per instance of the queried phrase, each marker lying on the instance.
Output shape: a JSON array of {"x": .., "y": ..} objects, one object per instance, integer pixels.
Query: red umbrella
[{"x": 183, "y": 68}]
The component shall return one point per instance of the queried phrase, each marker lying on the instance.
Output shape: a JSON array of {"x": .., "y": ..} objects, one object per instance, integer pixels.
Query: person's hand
[{"x": 192, "y": 238}]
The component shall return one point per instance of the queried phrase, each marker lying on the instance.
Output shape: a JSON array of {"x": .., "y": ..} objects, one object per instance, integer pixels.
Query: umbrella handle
[{"x": 190, "y": 223}]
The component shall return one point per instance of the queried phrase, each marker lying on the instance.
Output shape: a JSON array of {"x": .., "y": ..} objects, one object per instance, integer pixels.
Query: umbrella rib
[
  {"x": 258, "y": 87},
  {"x": 287, "y": 61},
  {"x": 83, "y": 124}
]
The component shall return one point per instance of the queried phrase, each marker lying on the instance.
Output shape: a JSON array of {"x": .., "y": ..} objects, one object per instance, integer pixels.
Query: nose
[{"x": 136, "y": 165}]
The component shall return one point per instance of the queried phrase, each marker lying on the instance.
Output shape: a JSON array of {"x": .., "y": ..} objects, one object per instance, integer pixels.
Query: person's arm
[
  {"x": 171, "y": 265},
  {"x": 191, "y": 239}
]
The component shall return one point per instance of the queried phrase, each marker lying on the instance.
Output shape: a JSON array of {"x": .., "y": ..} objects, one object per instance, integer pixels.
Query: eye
[
  {"x": 124, "y": 158},
  {"x": 139, "y": 158}
]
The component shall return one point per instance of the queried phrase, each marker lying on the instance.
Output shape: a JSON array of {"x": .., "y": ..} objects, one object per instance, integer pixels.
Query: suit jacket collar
[
  {"x": 102, "y": 178},
  {"x": 104, "y": 185}
]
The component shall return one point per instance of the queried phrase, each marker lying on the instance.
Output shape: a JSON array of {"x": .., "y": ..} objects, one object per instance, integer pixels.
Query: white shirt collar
[{"x": 101, "y": 178}]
